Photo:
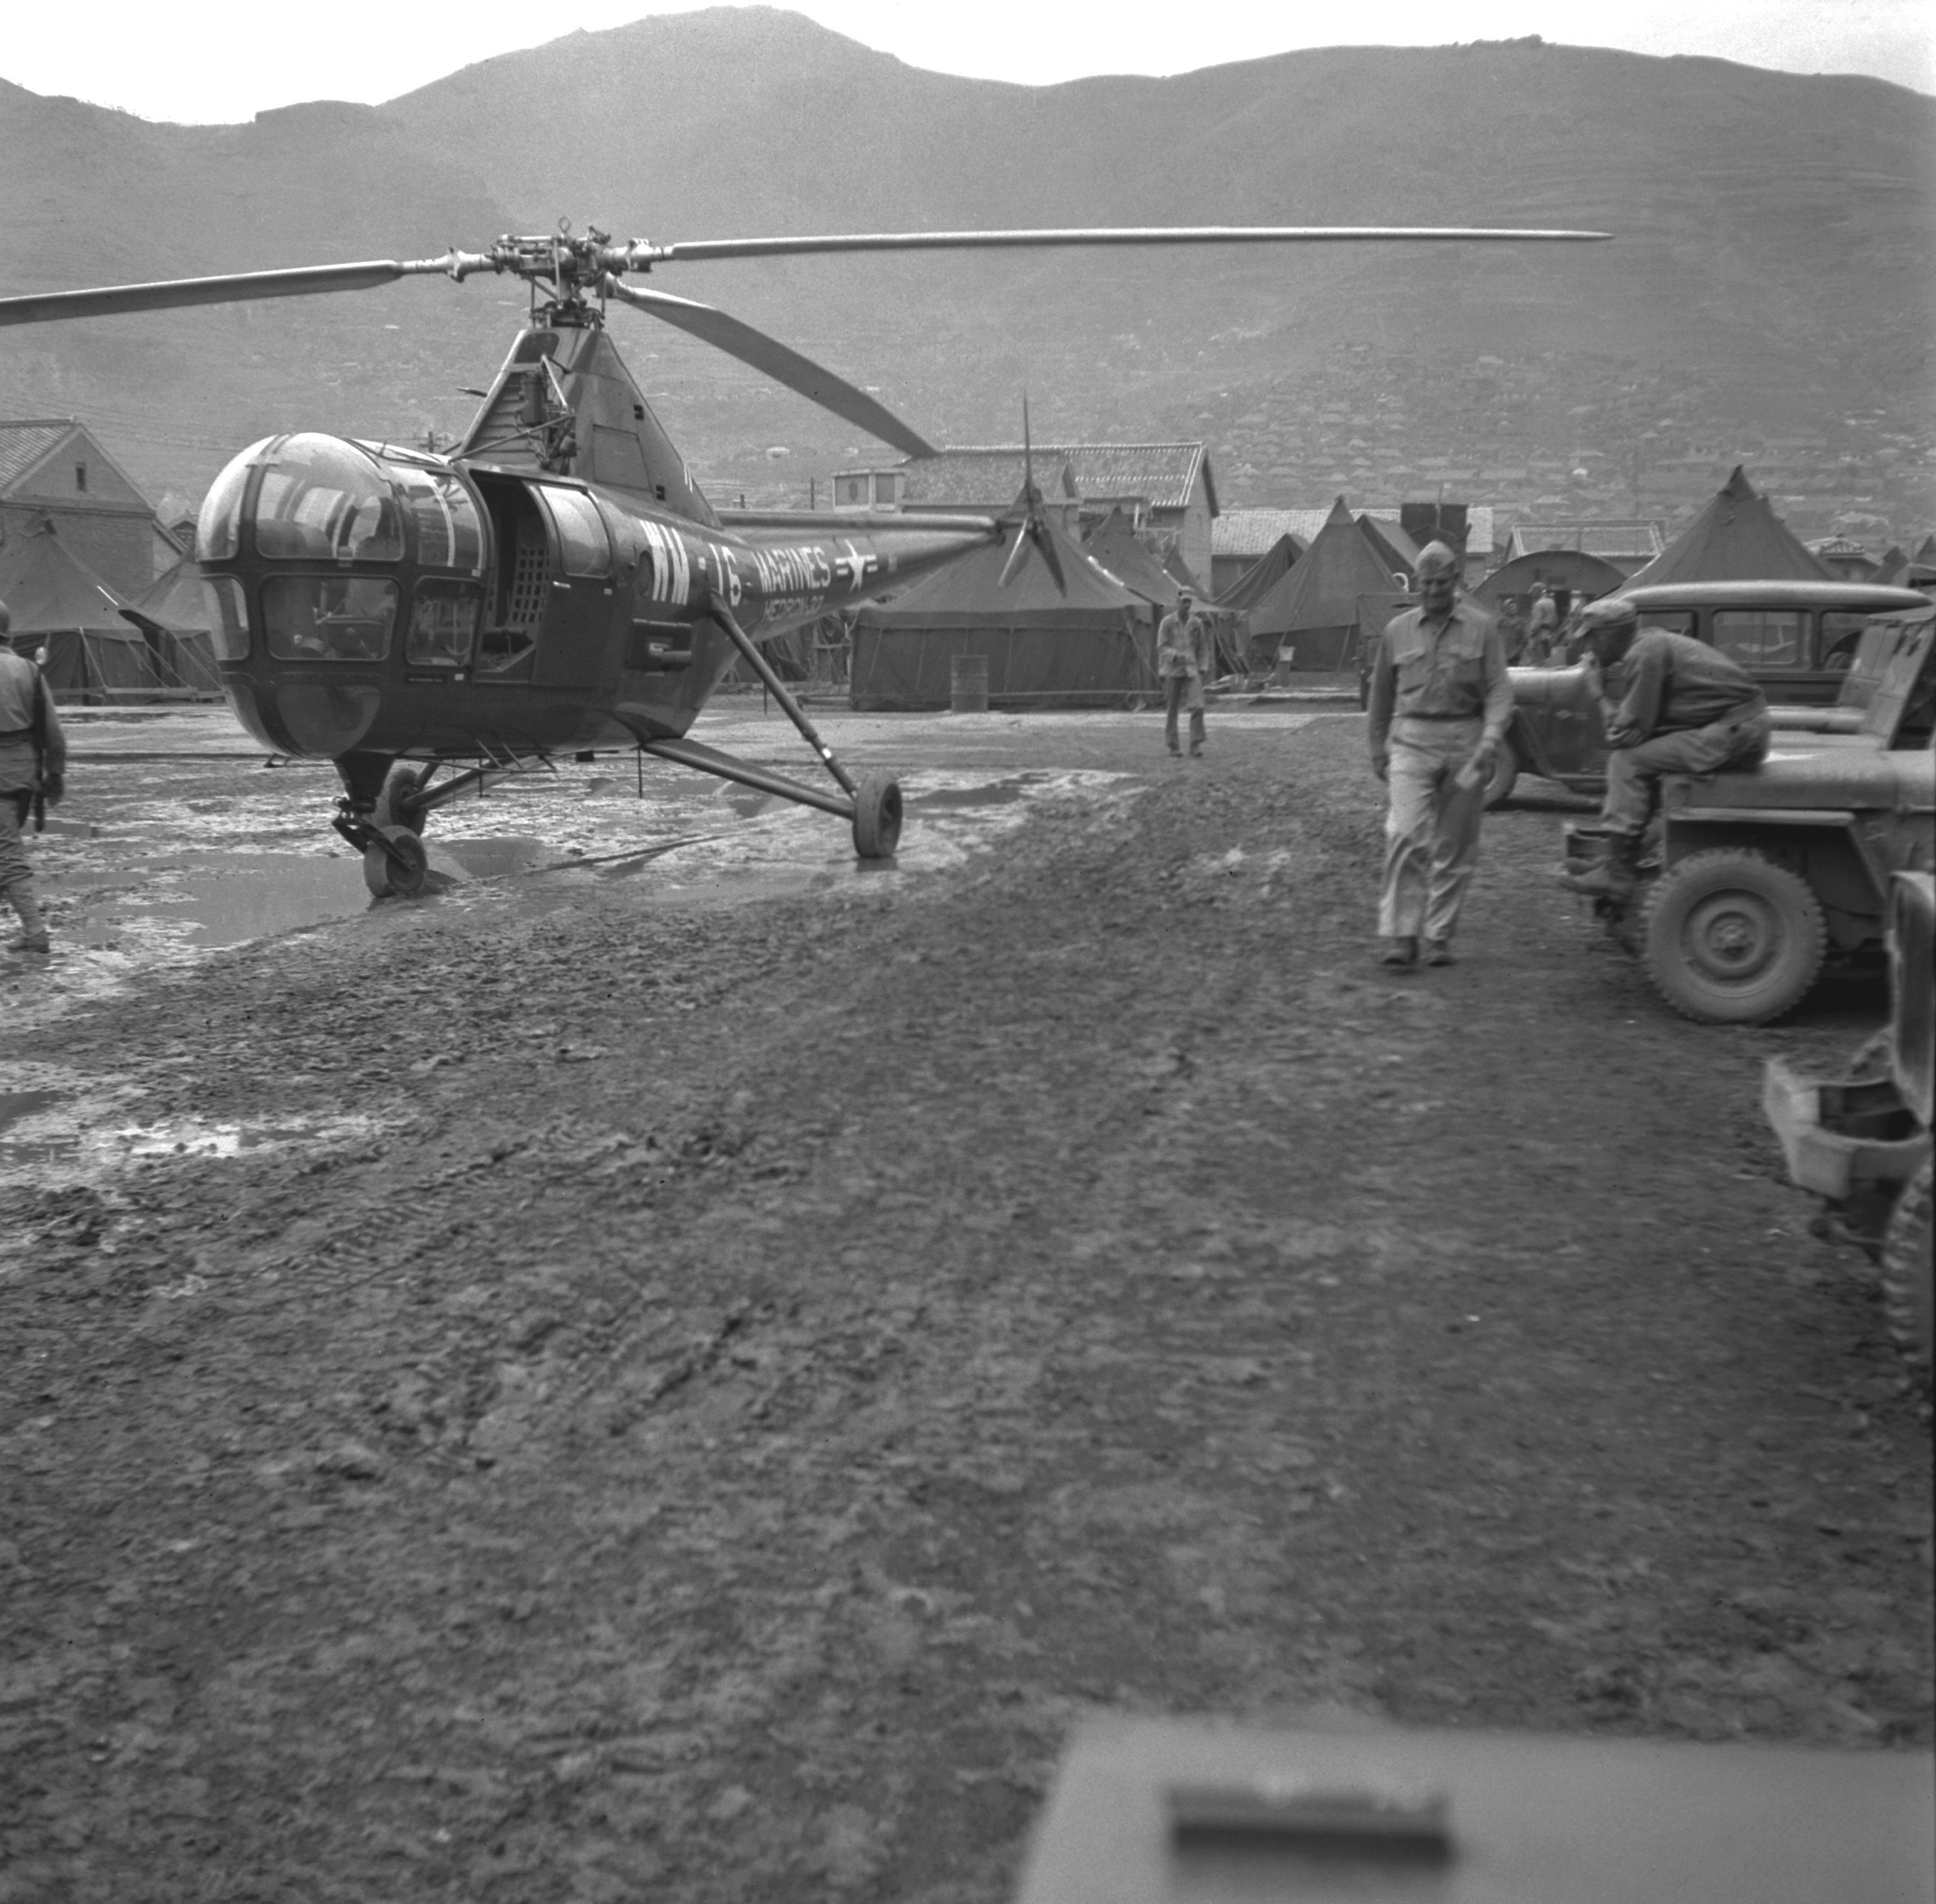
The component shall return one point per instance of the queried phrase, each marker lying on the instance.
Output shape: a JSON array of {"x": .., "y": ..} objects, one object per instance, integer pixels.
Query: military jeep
[
  {"x": 1800, "y": 640},
  {"x": 1753, "y": 880}
]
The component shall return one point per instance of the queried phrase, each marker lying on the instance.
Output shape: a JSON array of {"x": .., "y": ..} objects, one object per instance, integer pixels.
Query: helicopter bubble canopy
[{"x": 323, "y": 498}]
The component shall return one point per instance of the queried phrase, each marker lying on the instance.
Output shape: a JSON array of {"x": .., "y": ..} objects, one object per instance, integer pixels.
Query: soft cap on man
[
  {"x": 1435, "y": 560},
  {"x": 1609, "y": 612}
]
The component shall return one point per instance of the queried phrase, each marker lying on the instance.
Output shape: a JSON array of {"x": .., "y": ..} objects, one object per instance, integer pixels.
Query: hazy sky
[{"x": 226, "y": 60}]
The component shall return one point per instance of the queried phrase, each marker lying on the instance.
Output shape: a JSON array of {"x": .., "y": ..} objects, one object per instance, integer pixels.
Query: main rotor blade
[
  {"x": 694, "y": 250},
  {"x": 813, "y": 381},
  {"x": 173, "y": 294}
]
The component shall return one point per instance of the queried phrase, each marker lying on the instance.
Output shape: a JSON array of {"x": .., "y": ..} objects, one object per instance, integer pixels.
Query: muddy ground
[{"x": 688, "y": 1384}]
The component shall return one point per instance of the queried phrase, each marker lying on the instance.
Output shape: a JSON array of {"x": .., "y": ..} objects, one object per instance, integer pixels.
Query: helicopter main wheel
[
  {"x": 398, "y": 805},
  {"x": 877, "y": 817},
  {"x": 403, "y": 876}
]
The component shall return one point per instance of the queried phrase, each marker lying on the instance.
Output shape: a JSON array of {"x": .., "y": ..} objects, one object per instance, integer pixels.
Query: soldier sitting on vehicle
[{"x": 1688, "y": 708}]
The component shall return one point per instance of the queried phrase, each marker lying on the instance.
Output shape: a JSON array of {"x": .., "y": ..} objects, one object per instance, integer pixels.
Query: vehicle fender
[{"x": 1826, "y": 851}]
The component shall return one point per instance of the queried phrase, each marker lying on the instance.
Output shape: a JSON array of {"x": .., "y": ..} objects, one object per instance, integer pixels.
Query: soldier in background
[
  {"x": 1440, "y": 700},
  {"x": 1182, "y": 653},
  {"x": 1542, "y": 627},
  {"x": 33, "y": 763}
]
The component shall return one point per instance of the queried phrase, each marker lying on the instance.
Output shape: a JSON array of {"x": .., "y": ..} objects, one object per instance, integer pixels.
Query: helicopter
[{"x": 556, "y": 583}]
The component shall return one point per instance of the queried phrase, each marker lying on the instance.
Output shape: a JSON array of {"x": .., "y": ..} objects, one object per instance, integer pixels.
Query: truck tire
[
  {"x": 1908, "y": 1297},
  {"x": 1504, "y": 774},
  {"x": 1728, "y": 937}
]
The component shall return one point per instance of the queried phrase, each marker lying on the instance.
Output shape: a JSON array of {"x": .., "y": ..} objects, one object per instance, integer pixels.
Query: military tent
[
  {"x": 1308, "y": 619},
  {"x": 174, "y": 616},
  {"x": 1737, "y": 537},
  {"x": 58, "y": 603},
  {"x": 1397, "y": 549},
  {"x": 1263, "y": 575},
  {"x": 1088, "y": 642}
]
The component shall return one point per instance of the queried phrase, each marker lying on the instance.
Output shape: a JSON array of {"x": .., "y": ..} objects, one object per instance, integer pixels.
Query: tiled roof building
[{"x": 53, "y": 468}]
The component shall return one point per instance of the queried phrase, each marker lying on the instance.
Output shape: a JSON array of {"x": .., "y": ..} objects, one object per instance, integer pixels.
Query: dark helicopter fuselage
[{"x": 377, "y": 600}]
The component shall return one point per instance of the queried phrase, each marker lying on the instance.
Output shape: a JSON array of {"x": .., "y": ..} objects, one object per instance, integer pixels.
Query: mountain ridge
[{"x": 1769, "y": 281}]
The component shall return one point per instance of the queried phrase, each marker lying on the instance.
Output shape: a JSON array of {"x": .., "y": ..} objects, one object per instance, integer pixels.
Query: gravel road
[{"x": 688, "y": 1384}]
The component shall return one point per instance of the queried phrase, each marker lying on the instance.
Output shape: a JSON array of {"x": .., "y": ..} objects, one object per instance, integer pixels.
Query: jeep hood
[{"x": 1822, "y": 778}]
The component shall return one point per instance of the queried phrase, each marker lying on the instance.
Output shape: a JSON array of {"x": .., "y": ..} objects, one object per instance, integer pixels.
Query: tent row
[
  {"x": 1088, "y": 640},
  {"x": 96, "y": 644}
]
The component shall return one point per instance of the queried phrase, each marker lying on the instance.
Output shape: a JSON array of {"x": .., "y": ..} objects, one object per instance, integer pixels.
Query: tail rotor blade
[{"x": 772, "y": 358}]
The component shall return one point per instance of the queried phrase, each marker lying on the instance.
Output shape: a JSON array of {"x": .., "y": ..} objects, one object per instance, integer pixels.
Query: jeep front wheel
[{"x": 1728, "y": 937}]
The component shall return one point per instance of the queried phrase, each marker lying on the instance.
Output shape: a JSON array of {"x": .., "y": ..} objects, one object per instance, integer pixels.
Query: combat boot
[
  {"x": 1617, "y": 874},
  {"x": 33, "y": 928}
]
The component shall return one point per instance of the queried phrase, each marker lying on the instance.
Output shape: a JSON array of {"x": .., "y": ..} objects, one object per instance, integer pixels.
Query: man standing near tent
[
  {"x": 1441, "y": 700},
  {"x": 1542, "y": 628},
  {"x": 1182, "y": 651},
  {"x": 33, "y": 761}
]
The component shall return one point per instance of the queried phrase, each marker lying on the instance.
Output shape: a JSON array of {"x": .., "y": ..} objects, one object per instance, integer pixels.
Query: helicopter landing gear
[
  {"x": 395, "y": 863},
  {"x": 872, "y": 805},
  {"x": 877, "y": 817},
  {"x": 401, "y": 804}
]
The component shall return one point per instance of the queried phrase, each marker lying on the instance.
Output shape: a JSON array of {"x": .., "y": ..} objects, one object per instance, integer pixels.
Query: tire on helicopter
[
  {"x": 397, "y": 804},
  {"x": 877, "y": 816},
  {"x": 403, "y": 877}
]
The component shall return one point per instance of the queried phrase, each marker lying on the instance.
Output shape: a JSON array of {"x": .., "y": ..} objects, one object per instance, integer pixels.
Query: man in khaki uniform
[
  {"x": 1441, "y": 700},
  {"x": 1687, "y": 708},
  {"x": 33, "y": 760},
  {"x": 1182, "y": 650}
]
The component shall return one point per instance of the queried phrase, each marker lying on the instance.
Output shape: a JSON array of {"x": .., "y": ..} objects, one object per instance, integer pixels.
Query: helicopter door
[
  {"x": 576, "y": 640},
  {"x": 520, "y": 581}
]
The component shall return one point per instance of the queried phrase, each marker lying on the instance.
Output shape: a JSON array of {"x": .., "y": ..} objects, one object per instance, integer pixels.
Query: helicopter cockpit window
[
  {"x": 218, "y": 529},
  {"x": 444, "y": 624},
  {"x": 228, "y": 618},
  {"x": 448, "y": 534},
  {"x": 322, "y": 497},
  {"x": 329, "y": 618},
  {"x": 582, "y": 542}
]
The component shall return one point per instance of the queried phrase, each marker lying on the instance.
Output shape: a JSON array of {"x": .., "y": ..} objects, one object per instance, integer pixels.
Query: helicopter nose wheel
[{"x": 395, "y": 865}]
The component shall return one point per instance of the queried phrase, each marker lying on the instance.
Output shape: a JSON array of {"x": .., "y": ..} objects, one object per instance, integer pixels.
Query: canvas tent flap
[
  {"x": 1113, "y": 543},
  {"x": 1737, "y": 537},
  {"x": 174, "y": 616}
]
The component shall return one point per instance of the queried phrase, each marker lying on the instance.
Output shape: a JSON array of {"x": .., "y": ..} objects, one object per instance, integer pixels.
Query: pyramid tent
[
  {"x": 1264, "y": 574},
  {"x": 1397, "y": 549},
  {"x": 58, "y": 603},
  {"x": 1091, "y": 640},
  {"x": 1310, "y": 617},
  {"x": 1737, "y": 537},
  {"x": 174, "y": 617},
  {"x": 1895, "y": 560},
  {"x": 1113, "y": 543}
]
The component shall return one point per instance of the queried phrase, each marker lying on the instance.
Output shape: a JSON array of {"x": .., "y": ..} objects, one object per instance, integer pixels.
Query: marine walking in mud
[
  {"x": 1441, "y": 700},
  {"x": 33, "y": 765},
  {"x": 1687, "y": 708},
  {"x": 1182, "y": 645}
]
